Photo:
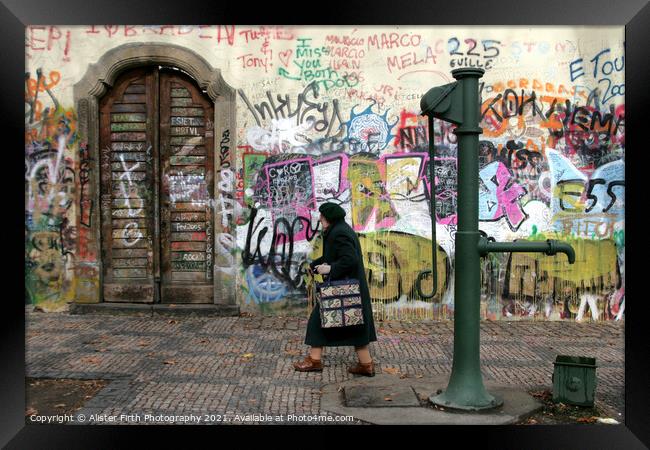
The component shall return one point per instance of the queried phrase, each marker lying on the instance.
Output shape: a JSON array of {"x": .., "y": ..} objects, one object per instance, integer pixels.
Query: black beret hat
[{"x": 332, "y": 211}]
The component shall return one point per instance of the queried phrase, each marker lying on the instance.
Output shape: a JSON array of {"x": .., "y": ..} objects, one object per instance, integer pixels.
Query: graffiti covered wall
[{"x": 331, "y": 114}]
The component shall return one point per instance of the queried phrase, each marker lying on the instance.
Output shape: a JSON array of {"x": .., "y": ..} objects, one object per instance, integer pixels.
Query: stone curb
[{"x": 197, "y": 310}]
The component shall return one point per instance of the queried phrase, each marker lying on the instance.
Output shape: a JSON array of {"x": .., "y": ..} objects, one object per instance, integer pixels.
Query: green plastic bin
[{"x": 574, "y": 380}]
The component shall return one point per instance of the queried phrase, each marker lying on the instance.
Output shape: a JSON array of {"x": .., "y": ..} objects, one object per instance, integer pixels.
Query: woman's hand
[{"x": 323, "y": 269}]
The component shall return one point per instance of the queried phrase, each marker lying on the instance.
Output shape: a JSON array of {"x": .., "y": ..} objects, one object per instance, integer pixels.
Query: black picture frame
[{"x": 634, "y": 15}]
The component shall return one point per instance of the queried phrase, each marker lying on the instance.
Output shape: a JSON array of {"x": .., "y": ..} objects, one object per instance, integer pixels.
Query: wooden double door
[{"x": 157, "y": 189}]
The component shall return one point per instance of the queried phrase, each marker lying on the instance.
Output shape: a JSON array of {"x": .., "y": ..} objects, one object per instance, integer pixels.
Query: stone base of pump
[{"x": 390, "y": 400}]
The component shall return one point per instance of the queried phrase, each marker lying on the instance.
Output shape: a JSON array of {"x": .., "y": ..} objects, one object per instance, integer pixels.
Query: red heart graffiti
[{"x": 284, "y": 57}]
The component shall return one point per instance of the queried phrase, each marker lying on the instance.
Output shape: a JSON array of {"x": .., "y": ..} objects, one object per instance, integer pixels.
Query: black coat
[{"x": 342, "y": 251}]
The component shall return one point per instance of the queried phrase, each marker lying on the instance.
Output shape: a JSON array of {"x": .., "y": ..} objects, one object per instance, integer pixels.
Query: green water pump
[{"x": 458, "y": 103}]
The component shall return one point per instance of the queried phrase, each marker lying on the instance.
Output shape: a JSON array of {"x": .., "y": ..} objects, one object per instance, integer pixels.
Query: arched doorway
[
  {"x": 167, "y": 251},
  {"x": 157, "y": 172}
]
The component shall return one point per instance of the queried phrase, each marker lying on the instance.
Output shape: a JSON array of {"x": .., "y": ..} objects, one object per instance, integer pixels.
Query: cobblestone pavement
[{"x": 243, "y": 365}]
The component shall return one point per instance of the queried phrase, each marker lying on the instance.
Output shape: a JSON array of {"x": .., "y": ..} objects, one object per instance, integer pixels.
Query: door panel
[
  {"x": 157, "y": 190},
  {"x": 186, "y": 143},
  {"x": 126, "y": 137}
]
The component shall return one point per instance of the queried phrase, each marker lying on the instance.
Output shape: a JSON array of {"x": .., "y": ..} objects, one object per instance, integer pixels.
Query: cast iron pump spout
[{"x": 550, "y": 247}]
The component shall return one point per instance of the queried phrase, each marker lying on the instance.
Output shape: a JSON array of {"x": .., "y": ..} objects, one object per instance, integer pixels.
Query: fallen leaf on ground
[
  {"x": 388, "y": 399},
  {"x": 31, "y": 411},
  {"x": 172, "y": 321},
  {"x": 541, "y": 394},
  {"x": 391, "y": 370},
  {"x": 144, "y": 343},
  {"x": 419, "y": 376},
  {"x": 587, "y": 419},
  {"x": 60, "y": 405},
  {"x": 404, "y": 375},
  {"x": 171, "y": 362},
  {"x": 247, "y": 355},
  {"x": 91, "y": 360},
  {"x": 204, "y": 341}
]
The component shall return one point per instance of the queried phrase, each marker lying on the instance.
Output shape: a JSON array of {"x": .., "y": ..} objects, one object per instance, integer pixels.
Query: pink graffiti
[
  {"x": 508, "y": 195},
  {"x": 290, "y": 191}
]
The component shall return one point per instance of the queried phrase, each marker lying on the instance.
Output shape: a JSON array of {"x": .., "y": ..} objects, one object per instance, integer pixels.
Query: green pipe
[
  {"x": 432, "y": 204},
  {"x": 550, "y": 247}
]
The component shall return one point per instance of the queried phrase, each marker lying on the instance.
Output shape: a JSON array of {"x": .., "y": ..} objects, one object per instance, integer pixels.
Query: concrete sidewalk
[{"x": 228, "y": 366}]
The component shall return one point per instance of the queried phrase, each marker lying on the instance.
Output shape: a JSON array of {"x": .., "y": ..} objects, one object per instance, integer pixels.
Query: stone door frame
[{"x": 98, "y": 79}]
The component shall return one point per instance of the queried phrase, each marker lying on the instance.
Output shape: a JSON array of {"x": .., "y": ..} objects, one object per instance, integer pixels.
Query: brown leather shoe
[
  {"x": 308, "y": 365},
  {"x": 367, "y": 370}
]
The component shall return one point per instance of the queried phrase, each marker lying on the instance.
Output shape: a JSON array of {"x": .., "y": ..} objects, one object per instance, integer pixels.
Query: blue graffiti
[
  {"x": 263, "y": 287},
  {"x": 370, "y": 129},
  {"x": 600, "y": 197}
]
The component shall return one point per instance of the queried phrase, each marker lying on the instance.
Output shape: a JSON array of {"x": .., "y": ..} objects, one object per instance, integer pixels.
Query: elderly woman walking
[{"x": 341, "y": 259}]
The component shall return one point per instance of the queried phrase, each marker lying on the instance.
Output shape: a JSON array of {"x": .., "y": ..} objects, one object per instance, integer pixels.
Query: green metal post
[{"x": 466, "y": 389}]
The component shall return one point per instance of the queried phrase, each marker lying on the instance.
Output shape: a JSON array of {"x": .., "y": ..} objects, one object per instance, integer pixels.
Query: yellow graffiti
[
  {"x": 402, "y": 176},
  {"x": 371, "y": 208},
  {"x": 87, "y": 290},
  {"x": 569, "y": 195},
  {"x": 48, "y": 281},
  {"x": 393, "y": 261},
  {"x": 536, "y": 275},
  {"x": 51, "y": 145}
]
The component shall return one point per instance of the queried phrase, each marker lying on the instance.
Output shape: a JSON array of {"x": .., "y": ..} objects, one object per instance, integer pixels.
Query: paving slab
[{"x": 394, "y": 395}]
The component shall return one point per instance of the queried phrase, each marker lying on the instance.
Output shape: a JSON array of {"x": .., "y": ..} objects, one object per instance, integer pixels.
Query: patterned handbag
[{"x": 340, "y": 303}]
